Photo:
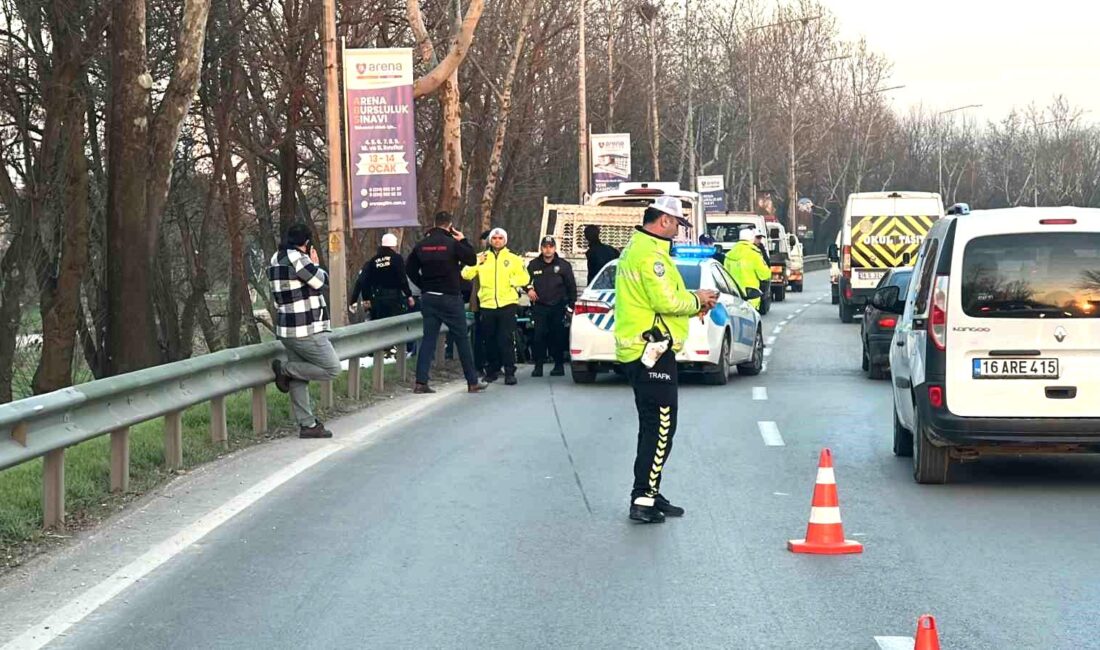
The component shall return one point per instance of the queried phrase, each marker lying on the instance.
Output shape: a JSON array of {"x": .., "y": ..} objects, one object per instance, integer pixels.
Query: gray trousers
[{"x": 311, "y": 358}]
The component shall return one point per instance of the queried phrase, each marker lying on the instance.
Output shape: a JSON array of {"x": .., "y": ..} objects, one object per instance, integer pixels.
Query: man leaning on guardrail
[{"x": 302, "y": 324}]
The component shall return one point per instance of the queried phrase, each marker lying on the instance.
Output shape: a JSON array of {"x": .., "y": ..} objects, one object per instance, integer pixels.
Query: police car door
[{"x": 741, "y": 321}]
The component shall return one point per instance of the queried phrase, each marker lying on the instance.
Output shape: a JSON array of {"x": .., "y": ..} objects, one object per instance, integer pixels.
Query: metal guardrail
[
  {"x": 45, "y": 425},
  {"x": 815, "y": 263}
]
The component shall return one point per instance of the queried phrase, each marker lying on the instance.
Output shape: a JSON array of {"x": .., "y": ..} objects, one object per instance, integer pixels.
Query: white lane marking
[
  {"x": 895, "y": 642},
  {"x": 778, "y": 329},
  {"x": 781, "y": 494},
  {"x": 799, "y": 311},
  {"x": 764, "y": 367},
  {"x": 63, "y": 619},
  {"x": 759, "y": 393},
  {"x": 767, "y": 352},
  {"x": 770, "y": 341},
  {"x": 769, "y": 431}
]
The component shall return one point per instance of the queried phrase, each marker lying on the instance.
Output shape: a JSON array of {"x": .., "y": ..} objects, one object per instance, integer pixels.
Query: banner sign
[
  {"x": 712, "y": 189},
  {"x": 610, "y": 160},
  {"x": 381, "y": 137}
]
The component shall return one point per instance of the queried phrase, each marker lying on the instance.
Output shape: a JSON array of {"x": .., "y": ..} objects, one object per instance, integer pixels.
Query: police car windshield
[
  {"x": 1032, "y": 275},
  {"x": 605, "y": 281}
]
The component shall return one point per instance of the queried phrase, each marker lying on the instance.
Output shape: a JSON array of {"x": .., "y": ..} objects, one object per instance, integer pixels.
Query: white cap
[
  {"x": 389, "y": 240},
  {"x": 748, "y": 234},
  {"x": 499, "y": 232},
  {"x": 671, "y": 206}
]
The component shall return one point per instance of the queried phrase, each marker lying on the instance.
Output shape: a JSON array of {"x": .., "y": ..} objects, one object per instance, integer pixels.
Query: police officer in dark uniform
[
  {"x": 382, "y": 284},
  {"x": 553, "y": 290}
]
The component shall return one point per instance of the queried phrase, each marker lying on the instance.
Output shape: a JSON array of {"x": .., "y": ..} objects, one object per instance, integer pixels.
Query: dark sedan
[{"x": 877, "y": 330}]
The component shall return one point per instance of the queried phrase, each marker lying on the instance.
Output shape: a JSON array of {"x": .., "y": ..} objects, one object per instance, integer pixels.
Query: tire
[
  {"x": 866, "y": 359},
  {"x": 722, "y": 376},
  {"x": 797, "y": 288},
  {"x": 581, "y": 376},
  {"x": 903, "y": 439},
  {"x": 754, "y": 365},
  {"x": 847, "y": 313},
  {"x": 931, "y": 464},
  {"x": 836, "y": 295},
  {"x": 780, "y": 294}
]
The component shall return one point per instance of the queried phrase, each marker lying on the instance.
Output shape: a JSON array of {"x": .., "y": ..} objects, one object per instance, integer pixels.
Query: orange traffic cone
[
  {"x": 825, "y": 534},
  {"x": 927, "y": 637}
]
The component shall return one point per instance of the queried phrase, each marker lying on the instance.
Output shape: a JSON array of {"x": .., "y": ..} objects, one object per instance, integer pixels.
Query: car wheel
[
  {"x": 903, "y": 439},
  {"x": 930, "y": 463},
  {"x": 756, "y": 364},
  {"x": 847, "y": 313},
  {"x": 581, "y": 375},
  {"x": 722, "y": 374}
]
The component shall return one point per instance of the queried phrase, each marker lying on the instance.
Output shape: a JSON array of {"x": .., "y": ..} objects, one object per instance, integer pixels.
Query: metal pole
[
  {"x": 582, "y": 106},
  {"x": 338, "y": 286}
]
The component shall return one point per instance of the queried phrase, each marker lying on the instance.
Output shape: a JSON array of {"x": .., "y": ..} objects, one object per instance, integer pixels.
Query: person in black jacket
[
  {"x": 434, "y": 266},
  {"x": 598, "y": 253},
  {"x": 382, "y": 284},
  {"x": 553, "y": 291}
]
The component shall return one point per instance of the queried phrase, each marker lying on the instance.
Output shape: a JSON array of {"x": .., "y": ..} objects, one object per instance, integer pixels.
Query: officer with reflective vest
[
  {"x": 501, "y": 276},
  {"x": 745, "y": 263},
  {"x": 652, "y": 312}
]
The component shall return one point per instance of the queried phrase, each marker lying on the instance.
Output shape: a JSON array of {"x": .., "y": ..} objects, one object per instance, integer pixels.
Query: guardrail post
[
  {"x": 120, "y": 460},
  {"x": 53, "y": 489},
  {"x": 354, "y": 372},
  {"x": 173, "y": 440},
  {"x": 402, "y": 362},
  {"x": 328, "y": 396},
  {"x": 259, "y": 409},
  {"x": 379, "y": 371},
  {"x": 219, "y": 428}
]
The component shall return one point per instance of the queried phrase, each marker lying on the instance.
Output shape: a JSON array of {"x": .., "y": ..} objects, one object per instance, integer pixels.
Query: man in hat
[
  {"x": 501, "y": 276},
  {"x": 382, "y": 284},
  {"x": 745, "y": 263},
  {"x": 652, "y": 308},
  {"x": 553, "y": 291}
]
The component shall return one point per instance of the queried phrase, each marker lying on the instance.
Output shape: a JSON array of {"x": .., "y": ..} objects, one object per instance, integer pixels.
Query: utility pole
[
  {"x": 582, "y": 105},
  {"x": 337, "y": 213}
]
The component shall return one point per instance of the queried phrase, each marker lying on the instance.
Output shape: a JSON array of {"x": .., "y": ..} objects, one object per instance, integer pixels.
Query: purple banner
[{"x": 381, "y": 132}]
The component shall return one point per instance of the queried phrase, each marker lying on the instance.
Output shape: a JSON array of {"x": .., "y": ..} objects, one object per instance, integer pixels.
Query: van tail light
[
  {"x": 887, "y": 323},
  {"x": 938, "y": 320},
  {"x": 848, "y": 292},
  {"x": 846, "y": 262},
  {"x": 591, "y": 307},
  {"x": 935, "y": 396},
  {"x": 1058, "y": 222}
]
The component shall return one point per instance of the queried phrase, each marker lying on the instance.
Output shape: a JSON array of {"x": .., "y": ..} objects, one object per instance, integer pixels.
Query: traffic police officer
[
  {"x": 382, "y": 284},
  {"x": 553, "y": 291},
  {"x": 501, "y": 277},
  {"x": 652, "y": 308},
  {"x": 745, "y": 263}
]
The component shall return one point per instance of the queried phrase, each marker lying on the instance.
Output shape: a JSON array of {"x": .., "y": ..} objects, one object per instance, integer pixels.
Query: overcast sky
[{"x": 951, "y": 53}]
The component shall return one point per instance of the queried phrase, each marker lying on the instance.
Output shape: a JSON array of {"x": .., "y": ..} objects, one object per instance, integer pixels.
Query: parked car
[{"x": 877, "y": 329}]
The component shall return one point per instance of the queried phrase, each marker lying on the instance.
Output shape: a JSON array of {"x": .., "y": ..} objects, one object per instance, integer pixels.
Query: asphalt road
[{"x": 500, "y": 521}]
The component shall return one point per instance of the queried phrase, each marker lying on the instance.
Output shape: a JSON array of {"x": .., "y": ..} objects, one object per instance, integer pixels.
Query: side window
[
  {"x": 719, "y": 281},
  {"x": 728, "y": 282},
  {"x": 927, "y": 277}
]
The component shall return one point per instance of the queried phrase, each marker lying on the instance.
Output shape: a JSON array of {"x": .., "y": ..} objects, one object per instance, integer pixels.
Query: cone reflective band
[
  {"x": 825, "y": 532},
  {"x": 927, "y": 636}
]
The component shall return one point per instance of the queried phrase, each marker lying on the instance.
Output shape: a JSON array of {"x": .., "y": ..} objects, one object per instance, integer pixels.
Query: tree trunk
[
  {"x": 450, "y": 194},
  {"x": 654, "y": 117},
  {"x": 792, "y": 174},
  {"x": 582, "y": 105},
  {"x": 447, "y": 71},
  {"x": 503, "y": 116},
  {"x": 131, "y": 329},
  {"x": 12, "y": 288},
  {"x": 610, "y": 9}
]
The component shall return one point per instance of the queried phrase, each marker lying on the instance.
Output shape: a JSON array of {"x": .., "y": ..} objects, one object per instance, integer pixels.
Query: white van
[
  {"x": 998, "y": 345},
  {"x": 881, "y": 231}
]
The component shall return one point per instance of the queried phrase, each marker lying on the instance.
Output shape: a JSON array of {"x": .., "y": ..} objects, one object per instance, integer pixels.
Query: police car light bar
[{"x": 693, "y": 251}]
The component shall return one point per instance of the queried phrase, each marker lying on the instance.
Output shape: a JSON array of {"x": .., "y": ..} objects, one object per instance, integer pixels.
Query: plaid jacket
[{"x": 298, "y": 285}]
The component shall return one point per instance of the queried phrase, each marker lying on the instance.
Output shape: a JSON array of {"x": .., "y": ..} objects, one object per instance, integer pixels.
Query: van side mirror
[
  {"x": 834, "y": 253},
  {"x": 752, "y": 293},
  {"x": 888, "y": 299}
]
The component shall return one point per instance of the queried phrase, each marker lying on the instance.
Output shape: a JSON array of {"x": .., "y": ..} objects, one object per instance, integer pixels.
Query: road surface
[{"x": 499, "y": 521}]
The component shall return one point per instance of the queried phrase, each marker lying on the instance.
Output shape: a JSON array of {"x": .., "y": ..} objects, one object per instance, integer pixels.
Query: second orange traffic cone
[
  {"x": 825, "y": 534},
  {"x": 927, "y": 637}
]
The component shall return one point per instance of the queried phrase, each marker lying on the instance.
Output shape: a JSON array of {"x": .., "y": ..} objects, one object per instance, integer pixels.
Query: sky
[{"x": 951, "y": 53}]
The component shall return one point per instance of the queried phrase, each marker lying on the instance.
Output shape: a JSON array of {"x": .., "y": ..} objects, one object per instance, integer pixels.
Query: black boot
[
  {"x": 510, "y": 380},
  {"x": 558, "y": 371},
  {"x": 646, "y": 514},
  {"x": 537, "y": 372}
]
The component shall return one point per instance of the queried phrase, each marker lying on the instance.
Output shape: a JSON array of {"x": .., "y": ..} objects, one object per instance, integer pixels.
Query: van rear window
[{"x": 1032, "y": 275}]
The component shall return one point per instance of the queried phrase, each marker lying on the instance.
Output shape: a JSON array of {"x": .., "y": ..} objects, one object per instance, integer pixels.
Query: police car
[{"x": 728, "y": 336}]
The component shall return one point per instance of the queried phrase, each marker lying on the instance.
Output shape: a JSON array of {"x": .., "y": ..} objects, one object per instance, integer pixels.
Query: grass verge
[{"x": 88, "y": 499}]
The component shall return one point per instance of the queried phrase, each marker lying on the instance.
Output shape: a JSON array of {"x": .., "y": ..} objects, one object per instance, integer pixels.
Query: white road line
[
  {"x": 759, "y": 393},
  {"x": 769, "y": 431},
  {"x": 895, "y": 642},
  {"x": 770, "y": 341},
  {"x": 767, "y": 352},
  {"x": 778, "y": 329},
  {"x": 61, "y": 620}
]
